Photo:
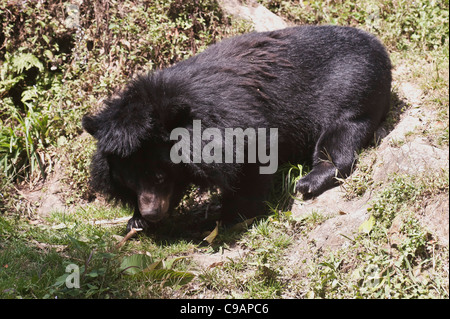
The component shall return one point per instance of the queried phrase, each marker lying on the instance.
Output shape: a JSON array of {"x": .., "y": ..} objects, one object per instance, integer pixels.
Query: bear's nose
[{"x": 152, "y": 215}]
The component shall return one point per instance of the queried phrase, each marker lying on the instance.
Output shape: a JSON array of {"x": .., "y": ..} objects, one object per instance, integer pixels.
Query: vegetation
[{"x": 58, "y": 61}]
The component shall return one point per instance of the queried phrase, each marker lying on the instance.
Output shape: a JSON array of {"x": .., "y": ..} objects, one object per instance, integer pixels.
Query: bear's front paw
[
  {"x": 136, "y": 222},
  {"x": 305, "y": 187},
  {"x": 315, "y": 183}
]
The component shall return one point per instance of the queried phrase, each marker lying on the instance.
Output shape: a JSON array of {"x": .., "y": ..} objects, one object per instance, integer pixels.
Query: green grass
[
  {"x": 34, "y": 257},
  {"x": 33, "y": 260},
  {"x": 378, "y": 264}
]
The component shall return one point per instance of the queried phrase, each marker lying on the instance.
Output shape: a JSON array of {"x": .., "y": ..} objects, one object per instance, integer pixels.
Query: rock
[
  {"x": 396, "y": 238},
  {"x": 262, "y": 18},
  {"x": 435, "y": 217},
  {"x": 412, "y": 93},
  {"x": 73, "y": 16},
  {"x": 47, "y": 198},
  {"x": 207, "y": 261},
  {"x": 412, "y": 158},
  {"x": 334, "y": 232},
  {"x": 331, "y": 203},
  {"x": 407, "y": 125}
]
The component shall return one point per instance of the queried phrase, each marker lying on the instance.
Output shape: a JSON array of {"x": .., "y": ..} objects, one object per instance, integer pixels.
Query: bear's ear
[
  {"x": 90, "y": 124},
  {"x": 175, "y": 116}
]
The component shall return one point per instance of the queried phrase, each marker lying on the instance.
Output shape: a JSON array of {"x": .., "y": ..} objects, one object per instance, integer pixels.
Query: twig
[
  {"x": 110, "y": 222},
  {"x": 130, "y": 234}
]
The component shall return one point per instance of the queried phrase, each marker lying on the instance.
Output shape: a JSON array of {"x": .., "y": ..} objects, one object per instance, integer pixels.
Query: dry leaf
[
  {"x": 216, "y": 264},
  {"x": 210, "y": 238}
]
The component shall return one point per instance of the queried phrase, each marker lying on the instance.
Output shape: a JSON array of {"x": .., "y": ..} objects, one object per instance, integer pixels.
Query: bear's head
[{"x": 132, "y": 163}]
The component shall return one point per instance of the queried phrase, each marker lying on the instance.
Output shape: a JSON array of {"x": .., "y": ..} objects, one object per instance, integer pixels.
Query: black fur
[{"x": 325, "y": 88}]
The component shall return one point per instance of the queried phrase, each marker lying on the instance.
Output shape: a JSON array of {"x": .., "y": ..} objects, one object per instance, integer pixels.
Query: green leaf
[
  {"x": 79, "y": 243},
  {"x": 61, "y": 280},
  {"x": 46, "y": 39},
  {"x": 26, "y": 61},
  {"x": 169, "y": 277},
  {"x": 135, "y": 264},
  {"x": 367, "y": 226},
  {"x": 156, "y": 265},
  {"x": 169, "y": 263}
]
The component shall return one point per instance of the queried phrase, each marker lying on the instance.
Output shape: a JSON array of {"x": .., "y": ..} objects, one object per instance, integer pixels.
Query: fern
[
  {"x": 24, "y": 132},
  {"x": 25, "y": 61},
  {"x": 11, "y": 71}
]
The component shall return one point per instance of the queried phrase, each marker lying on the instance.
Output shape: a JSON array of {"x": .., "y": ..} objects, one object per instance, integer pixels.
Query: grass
[
  {"x": 34, "y": 258},
  {"x": 49, "y": 72},
  {"x": 389, "y": 262}
]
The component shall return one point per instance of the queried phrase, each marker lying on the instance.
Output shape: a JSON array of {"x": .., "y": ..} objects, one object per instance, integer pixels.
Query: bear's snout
[
  {"x": 153, "y": 207},
  {"x": 152, "y": 215}
]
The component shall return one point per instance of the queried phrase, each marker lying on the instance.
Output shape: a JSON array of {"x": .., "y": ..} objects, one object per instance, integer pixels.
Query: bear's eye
[{"x": 159, "y": 178}]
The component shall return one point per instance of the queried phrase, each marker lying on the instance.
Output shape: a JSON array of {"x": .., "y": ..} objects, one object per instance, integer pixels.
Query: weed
[
  {"x": 400, "y": 24},
  {"x": 387, "y": 261},
  {"x": 284, "y": 186}
]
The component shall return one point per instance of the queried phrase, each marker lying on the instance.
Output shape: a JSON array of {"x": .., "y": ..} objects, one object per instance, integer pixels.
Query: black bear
[{"x": 311, "y": 94}]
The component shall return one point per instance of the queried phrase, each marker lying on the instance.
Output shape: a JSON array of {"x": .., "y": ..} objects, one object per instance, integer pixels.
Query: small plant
[
  {"x": 23, "y": 134},
  {"x": 160, "y": 271},
  {"x": 98, "y": 267},
  {"x": 393, "y": 199},
  {"x": 401, "y": 24},
  {"x": 284, "y": 186},
  {"x": 393, "y": 257},
  {"x": 326, "y": 277}
]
